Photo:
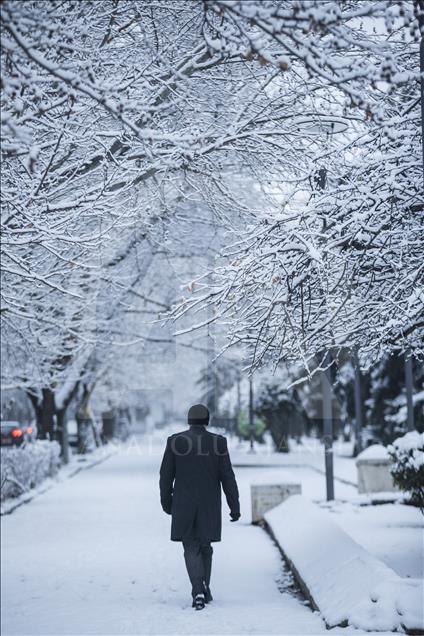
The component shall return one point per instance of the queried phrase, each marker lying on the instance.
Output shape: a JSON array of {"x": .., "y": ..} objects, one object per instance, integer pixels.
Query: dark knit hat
[{"x": 198, "y": 415}]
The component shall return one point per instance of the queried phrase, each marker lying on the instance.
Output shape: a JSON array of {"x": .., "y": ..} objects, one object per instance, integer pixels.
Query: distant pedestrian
[{"x": 195, "y": 464}]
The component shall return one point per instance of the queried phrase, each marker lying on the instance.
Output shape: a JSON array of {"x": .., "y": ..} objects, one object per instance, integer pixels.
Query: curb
[
  {"x": 299, "y": 581},
  {"x": 322, "y": 586}
]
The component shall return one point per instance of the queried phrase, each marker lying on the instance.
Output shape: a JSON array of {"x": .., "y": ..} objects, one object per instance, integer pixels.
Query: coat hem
[{"x": 205, "y": 540}]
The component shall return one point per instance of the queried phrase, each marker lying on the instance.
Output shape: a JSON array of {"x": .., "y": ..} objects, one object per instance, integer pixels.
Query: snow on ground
[
  {"x": 75, "y": 465},
  {"x": 394, "y": 533},
  {"x": 335, "y": 568},
  {"x": 308, "y": 453},
  {"x": 92, "y": 555},
  {"x": 304, "y": 463},
  {"x": 375, "y": 451}
]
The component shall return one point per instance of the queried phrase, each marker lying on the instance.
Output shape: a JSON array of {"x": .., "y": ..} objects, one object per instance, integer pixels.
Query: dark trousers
[{"x": 198, "y": 560}]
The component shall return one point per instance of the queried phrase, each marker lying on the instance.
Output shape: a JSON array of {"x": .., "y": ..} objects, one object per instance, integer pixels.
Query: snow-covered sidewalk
[
  {"x": 76, "y": 464},
  {"x": 92, "y": 556}
]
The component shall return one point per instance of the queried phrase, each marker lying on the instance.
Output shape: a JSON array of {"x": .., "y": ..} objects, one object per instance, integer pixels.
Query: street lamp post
[
  {"x": 420, "y": 7},
  {"x": 251, "y": 418},
  {"x": 409, "y": 386},
  {"x": 358, "y": 405},
  {"x": 328, "y": 126},
  {"x": 210, "y": 346},
  {"x": 327, "y": 416},
  {"x": 238, "y": 403}
]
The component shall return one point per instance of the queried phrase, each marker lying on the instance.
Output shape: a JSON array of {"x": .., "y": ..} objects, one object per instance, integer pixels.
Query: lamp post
[
  {"x": 358, "y": 405},
  {"x": 420, "y": 12},
  {"x": 251, "y": 417},
  {"x": 210, "y": 372},
  {"x": 210, "y": 346},
  {"x": 328, "y": 126},
  {"x": 327, "y": 416},
  {"x": 409, "y": 386},
  {"x": 238, "y": 403}
]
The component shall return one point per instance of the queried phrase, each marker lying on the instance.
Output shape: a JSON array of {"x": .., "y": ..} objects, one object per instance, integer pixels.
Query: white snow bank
[
  {"x": 375, "y": 451},
  {"x": 343, "y": 579},
  {"x": 393, "y": 605}
]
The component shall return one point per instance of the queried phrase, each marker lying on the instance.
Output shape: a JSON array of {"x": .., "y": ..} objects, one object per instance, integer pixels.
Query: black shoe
[
  {"x": 208, "y": 595},
  {"x": 199, "y": 601}
]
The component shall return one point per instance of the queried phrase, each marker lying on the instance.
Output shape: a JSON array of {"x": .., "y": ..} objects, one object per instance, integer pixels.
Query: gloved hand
[{"x": 235, "y": 516}]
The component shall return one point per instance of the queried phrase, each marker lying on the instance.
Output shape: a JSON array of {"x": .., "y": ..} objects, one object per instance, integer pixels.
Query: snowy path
[{"x": 92, "y": 556}]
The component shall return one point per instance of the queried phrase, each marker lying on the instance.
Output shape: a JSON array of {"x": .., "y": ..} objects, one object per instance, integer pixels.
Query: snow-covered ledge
[
  {"x": 343, "y": 581},
  {"x": 373, "y": 466},
  {"x": 267, "y": 496}
]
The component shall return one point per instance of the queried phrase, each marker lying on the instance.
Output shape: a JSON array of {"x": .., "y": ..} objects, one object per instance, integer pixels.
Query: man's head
[{"x": 198, "y": 415}]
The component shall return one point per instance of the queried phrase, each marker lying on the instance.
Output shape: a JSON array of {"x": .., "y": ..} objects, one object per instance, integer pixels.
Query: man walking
[{"x": 194, "y": 466}]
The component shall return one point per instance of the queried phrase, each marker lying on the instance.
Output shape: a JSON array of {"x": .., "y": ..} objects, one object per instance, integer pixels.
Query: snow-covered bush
[
  {"x": 407, "y": 453},
  {"x": 282, "y": 412},
  {"x": 25, "y": 467}
]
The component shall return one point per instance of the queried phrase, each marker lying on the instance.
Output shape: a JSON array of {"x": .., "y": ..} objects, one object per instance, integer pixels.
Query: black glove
[
  {"x": 167, "y": 510},
  {"x": 235, "y": 516}
]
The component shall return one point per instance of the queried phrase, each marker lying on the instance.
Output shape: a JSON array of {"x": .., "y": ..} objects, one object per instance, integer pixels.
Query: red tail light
[
  {"x": 16, "y": 432},
  {"x": 29, "y": 429}
]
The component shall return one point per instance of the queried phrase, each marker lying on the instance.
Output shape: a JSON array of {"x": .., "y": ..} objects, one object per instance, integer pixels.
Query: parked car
[{"x": 15, "y": 433}]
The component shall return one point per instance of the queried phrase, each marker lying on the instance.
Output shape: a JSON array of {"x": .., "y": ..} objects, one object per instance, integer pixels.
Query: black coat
[{"x": 194, "y": 466}]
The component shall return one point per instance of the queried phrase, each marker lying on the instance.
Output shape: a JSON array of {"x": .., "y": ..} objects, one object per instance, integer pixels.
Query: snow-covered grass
[
  {"x": 392, "y": 532},
  {"x": 346, "y": 582},
  {"x": 310, "y": 452}
]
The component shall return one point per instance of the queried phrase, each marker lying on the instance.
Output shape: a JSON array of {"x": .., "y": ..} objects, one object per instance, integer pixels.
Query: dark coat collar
[{"x": 197, "y": 429}]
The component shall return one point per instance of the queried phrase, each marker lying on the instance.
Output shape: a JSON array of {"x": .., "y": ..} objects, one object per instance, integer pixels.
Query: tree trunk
[
  {"x": 35, "y": 403},
  {"x": 62, "y": 435},
  {"x": 44, "y": 409},
  {"x": 279, "y": 429},
  {"x": 50, "y": 420},
  {"x": 86, "y": 429},
  {"x": 109, "y": 425}
]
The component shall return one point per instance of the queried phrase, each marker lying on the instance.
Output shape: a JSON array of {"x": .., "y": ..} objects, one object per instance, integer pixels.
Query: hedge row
[{"x": 25, "y": 467}]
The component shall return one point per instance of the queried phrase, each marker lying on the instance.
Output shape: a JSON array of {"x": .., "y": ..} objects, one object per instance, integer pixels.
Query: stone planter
[
  {"x": 373, "y": 466},
  {"x": 267, "y": 496}
]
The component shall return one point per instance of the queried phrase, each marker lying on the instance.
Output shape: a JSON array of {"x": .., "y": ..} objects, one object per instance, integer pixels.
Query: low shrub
[
  {"x": 407, "y": 453},
  {"x": 25, "y": 467}
]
